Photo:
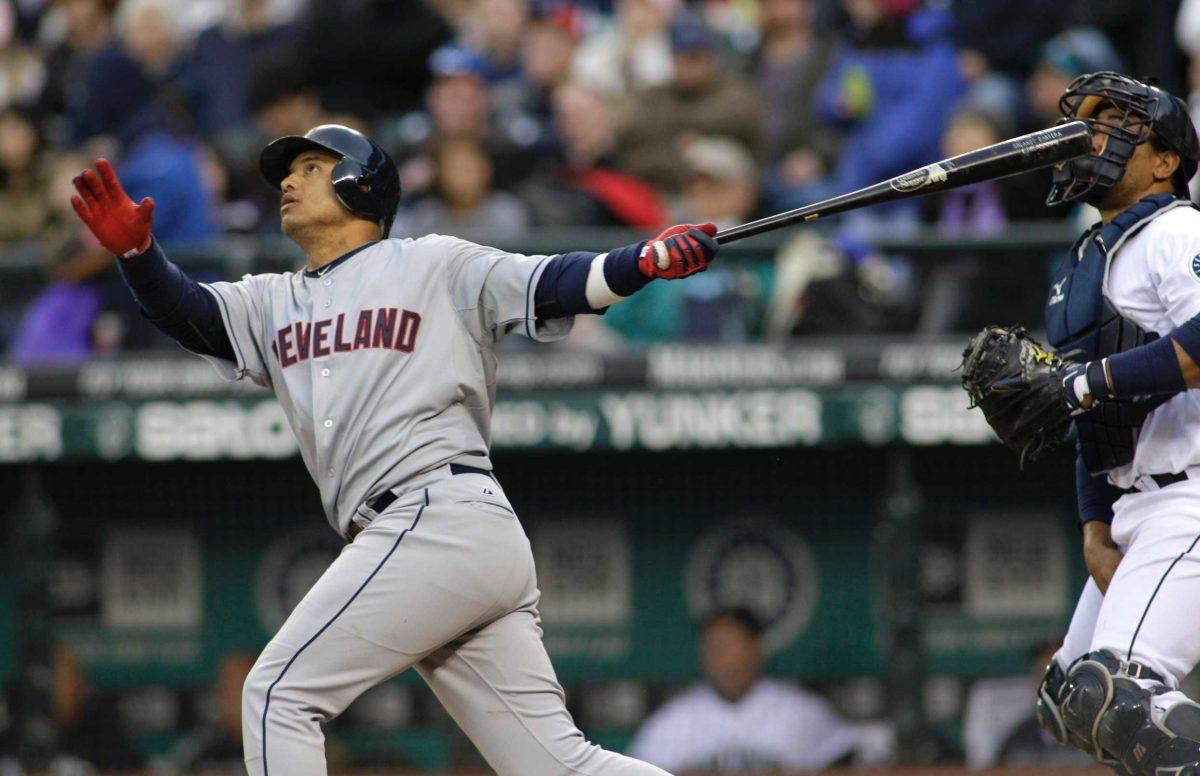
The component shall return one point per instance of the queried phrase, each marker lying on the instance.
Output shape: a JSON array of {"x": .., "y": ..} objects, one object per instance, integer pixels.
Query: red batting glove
[
  {"x": 678, "y": 252},
  {"x": 121, "y": 226}
]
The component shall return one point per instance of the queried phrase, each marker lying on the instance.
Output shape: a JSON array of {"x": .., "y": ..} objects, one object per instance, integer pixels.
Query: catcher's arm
[
  {"x": 1166, "y": 366},
  {"x": 1096, "y": 497}
]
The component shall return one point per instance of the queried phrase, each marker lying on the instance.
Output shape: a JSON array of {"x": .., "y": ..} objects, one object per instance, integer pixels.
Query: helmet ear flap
[{"x": 352, "y": 185}]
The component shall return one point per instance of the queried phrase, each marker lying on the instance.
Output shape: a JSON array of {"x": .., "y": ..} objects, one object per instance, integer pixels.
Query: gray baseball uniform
[{"x": 383, "y": 361}]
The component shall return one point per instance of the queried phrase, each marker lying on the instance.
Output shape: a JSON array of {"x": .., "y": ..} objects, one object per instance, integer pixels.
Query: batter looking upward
[
  {"x": 381, "y": 353},
  {"x": 1123, "y": 314}
]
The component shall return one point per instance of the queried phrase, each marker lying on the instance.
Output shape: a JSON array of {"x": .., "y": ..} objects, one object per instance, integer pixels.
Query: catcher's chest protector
[{"x": 1082, "y": 325}]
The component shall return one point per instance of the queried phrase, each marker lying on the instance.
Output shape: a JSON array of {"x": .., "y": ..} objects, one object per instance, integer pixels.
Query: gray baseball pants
[{"x": 443, "y": 581}]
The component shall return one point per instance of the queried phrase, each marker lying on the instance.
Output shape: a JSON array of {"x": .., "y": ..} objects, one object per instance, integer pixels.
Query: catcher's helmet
[
  {"x": 365, "y": 180},
  {"x": 1146, "y": 109}
]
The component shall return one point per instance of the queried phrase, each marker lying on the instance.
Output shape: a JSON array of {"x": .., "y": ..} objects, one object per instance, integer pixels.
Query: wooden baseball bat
[{"x": 1009, "y": 157}]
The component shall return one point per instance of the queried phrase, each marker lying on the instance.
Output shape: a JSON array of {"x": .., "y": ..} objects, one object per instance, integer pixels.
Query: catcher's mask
[{"x": 1147, "y": 112}]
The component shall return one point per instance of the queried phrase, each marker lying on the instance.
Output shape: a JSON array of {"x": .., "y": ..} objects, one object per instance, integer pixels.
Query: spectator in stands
[
  {"x": 722, "y": 188},
  {"x": 22, "y": 71},
  {"x": 891, "y": 89},
  {"x": 1004, "y": 37},
  {"x": 721, "y": 182},
  {"x": 163, "y": 161},
  {"x": 158, "y": 158},
  {"x": 790, "y": 63},
  {"x": 90, "y": 734},
  {"x": 458, "y": 106},
  {"x": 215, "y": 747},
  {"x": 86, "y": 73},
  {"x": 219, "y": 65},
  {"x": 630, "y": 55},
  {"x": 550, "y": 45},
  {"x": 495, "y": 33},
  {"x": 463, "y": 199},
  {"x": 1071, "y": 53},
  {"x": 586, "y": 188},
  {"x": 56, "y": 324},
  {"x": 24, "y": 212},
  {"x": 702, "y": 99},
  {"x": 739, "y": 721},
  {"x": 149, "y": 30},
  {"x": 283, "y": 101},
  {"x": 370, "y": 59}
]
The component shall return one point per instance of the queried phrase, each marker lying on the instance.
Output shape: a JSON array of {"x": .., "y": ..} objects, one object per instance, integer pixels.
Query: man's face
[
  {"x": 547, "y": 54},
  {"x": 459, "y": 106},
  {"x": 774, "y": 14},
  {"x": 308, "y": 200},
  {"x": 732, "y": 657},
  {"x": 694, "y": 70},
  {"x": 293, "y": 114},
  {"x": 720, "y": 201},
  {"x": 1139, "y": 175}
]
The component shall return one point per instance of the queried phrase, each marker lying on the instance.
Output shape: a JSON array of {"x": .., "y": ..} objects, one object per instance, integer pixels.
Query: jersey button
[
  {"x": 330, "y": 472},
  {"x": 327, "y": 282},
  {"x": 328, "y": 423},
  {"x": 325, "y": 372}
]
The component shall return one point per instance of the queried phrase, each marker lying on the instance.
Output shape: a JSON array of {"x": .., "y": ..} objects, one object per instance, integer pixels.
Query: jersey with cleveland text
[{"x": 383, "y": 359}]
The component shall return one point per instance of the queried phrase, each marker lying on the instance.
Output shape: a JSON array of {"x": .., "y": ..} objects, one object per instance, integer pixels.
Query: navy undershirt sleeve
[
  {"x": 1146, "y": 370},
  {"x": 562, "y": 289},
  {"x": 621, "y": 270},
  {"x": 1094, "y": 495},
  {"x": 177, "y": 305}
]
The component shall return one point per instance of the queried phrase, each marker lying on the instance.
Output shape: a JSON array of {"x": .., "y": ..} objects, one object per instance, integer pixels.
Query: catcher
[{"x": 1123, "y": 316}]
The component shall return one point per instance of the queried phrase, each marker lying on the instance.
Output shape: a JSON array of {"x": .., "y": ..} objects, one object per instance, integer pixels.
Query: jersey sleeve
[
  {"x": 493, "y": 292},
  {"x": 1175, "y": 271},
  {"x": 242, "y": 311}
]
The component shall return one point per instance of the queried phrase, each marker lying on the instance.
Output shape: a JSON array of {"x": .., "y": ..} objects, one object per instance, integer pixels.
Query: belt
[
  {"x": 1141, "y": 670},
  {"x": 1161, "y": 480},
  {"x": 385, "y": 499}
]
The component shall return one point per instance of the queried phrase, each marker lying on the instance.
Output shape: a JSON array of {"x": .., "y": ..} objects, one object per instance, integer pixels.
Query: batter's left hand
[{"x": 680, "y": 251}]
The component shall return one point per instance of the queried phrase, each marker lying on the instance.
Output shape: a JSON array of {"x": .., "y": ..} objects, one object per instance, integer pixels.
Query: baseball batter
[
  {"x": 381, "y": 352},
  {"x": 1124, "y": 314}
]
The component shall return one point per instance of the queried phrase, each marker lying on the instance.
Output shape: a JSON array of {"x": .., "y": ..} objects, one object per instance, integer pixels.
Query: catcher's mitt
[{"x": 1017, "y": 384}]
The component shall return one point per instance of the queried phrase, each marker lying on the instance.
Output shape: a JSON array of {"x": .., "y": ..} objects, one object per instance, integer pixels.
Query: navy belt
[
  {"x": 385, "y": 499},
  {"x": 1162, "y": 481}
]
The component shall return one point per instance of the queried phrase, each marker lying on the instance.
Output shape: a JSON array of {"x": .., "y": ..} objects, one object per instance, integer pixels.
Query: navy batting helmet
[
  {"x": 365, "y": 180},
  {"x": 1147, "y": 113}
]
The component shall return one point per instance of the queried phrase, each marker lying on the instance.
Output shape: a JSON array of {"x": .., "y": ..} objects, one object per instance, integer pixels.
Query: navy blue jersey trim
[
  {"x": 241, "y": 360},
  {"x": 325, "y": 627},
  {"x": 1129, "y": 655},
  {"x": 529, "y": 296},
  {"x": 323, "y": 270}
]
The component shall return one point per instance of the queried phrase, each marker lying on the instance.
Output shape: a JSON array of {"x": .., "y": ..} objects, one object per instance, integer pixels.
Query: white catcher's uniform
[
  {"x": 1151, "y": 612},
  {"x": 384, "y": 365}
]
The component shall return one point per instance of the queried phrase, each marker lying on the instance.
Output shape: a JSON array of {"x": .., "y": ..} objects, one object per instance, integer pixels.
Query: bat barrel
[{"x": 1020, "y": 154}]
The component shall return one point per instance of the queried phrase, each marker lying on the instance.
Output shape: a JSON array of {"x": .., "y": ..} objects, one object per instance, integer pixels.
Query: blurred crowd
[{"x": 513, "y": 115}]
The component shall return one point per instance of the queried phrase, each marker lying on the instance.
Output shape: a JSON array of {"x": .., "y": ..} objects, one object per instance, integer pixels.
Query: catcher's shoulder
[{"x": 1178, "y": 221}]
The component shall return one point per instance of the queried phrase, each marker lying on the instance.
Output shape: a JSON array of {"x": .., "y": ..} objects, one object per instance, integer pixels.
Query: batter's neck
[{"x": 327, "y": 246}]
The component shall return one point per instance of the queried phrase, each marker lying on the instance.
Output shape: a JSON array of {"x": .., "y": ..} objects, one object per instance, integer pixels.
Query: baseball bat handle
[{"x": 1043, "y": 148}]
